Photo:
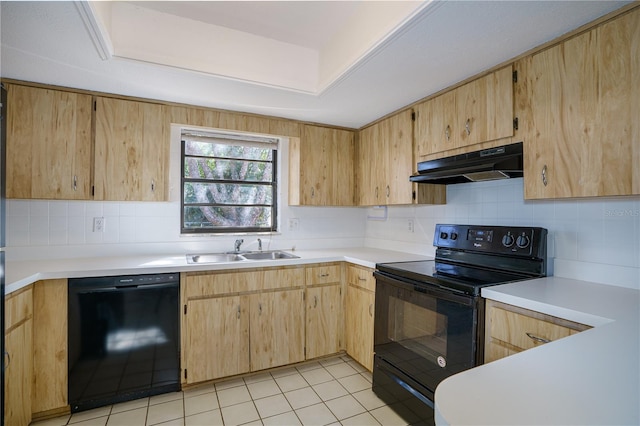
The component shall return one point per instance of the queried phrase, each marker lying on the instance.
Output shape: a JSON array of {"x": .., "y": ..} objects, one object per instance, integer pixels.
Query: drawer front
[
  {"x": 512, "y": 328},
  {"x": 323, "y": 274},
  {"x": 283, "y": 278},
  {"x": 362, "y": 277},
  {"x": 213, "y": 284}
]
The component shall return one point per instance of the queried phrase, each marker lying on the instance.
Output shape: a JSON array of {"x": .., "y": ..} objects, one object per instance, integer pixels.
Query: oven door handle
[{"x": 435, "y": 290}]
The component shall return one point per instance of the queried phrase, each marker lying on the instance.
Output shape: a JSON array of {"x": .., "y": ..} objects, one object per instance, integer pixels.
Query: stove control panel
[{"x": 504, "y": 240}]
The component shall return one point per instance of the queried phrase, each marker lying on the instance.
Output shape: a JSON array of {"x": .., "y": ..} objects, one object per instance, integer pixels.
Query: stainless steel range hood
[{"x": 502, "y": 162}]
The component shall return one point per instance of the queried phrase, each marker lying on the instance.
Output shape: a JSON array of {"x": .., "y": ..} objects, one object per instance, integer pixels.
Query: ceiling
[{"x": 343, "y": 63}]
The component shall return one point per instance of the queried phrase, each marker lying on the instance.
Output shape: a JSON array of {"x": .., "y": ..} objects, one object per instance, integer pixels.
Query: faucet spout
[
  {"x": 237, "y": 245},
  {"x": 259, "y": 244}
]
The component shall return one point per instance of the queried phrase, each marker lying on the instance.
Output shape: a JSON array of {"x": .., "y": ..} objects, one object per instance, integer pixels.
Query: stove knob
[
  {"x": 454, "y": 236},
  {"x": 522, "y": 241},
  {"x": 444, "y": 235},
  {"x": 507, "y": 240}
]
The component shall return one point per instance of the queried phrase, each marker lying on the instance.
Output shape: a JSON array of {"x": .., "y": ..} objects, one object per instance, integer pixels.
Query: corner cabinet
[
  {"x": 321, "y": 167},
  {"x": 385, "y": 162},
  {"x": 131, "y": 150},
  {"x": 359, "y": 314},
  {"x": 510, "y": 329},
  {"x": 49, "y": 144},
  {"x": 581, "y": 103}
]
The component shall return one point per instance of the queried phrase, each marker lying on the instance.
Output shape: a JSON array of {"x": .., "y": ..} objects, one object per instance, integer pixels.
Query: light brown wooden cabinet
[
  {"x": 49, "y": 144},
  {"x": 359, "y": 314},
  {"x": 478, "y": 111},
  {"x": 131, "y": 150},
  {"x": 324, "y": 309},
  {"x": 321, "y": 167},
  {"x": 239, "y": 321},
  {"x": 510, "y": 329},
  {"x": 385, "y": 162},
  {"x": 580, "y": 114},
  {"x": 18, "y": 335}
]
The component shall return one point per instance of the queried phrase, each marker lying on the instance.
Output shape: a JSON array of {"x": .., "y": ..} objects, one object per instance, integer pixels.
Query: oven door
[{"x": 424, "y": 333}]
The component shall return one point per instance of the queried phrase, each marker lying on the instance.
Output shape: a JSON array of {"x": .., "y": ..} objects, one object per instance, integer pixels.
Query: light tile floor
[{"x": 332, "y": 391}]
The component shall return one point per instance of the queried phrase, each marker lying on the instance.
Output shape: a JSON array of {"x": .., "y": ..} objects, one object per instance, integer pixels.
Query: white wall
[{"x": 592, "y": 239}]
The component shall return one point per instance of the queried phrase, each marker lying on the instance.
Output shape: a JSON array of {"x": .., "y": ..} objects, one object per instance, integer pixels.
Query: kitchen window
[{"x": 229, "y": 183}]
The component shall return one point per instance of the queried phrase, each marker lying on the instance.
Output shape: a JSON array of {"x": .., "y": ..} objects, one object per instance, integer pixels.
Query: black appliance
[
  {"x": 124, "y": 338},
  {"x": 429, "y": 321},
  {"x": 501, "y": 162}
]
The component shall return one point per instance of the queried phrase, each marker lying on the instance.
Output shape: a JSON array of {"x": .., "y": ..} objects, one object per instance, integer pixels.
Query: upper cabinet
[
  {"x": 479, "y": 111},
  {"x": 580, "y": 107},
  {"x": 321, "y": 167},
  {"x": 131, "y": 151},
  {"x": 385, "y": 162},
  {"x": 48, "y": 144}
]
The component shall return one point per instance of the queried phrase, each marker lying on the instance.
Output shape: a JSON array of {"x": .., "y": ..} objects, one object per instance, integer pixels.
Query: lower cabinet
[
  {"x": 359, "y": 314},
  {"x": 324, "y": 310},
  {"x": 217, "y": 338},
  {"x": 510, "y": 329},
  {"x": 253, "y": 322},
  {"x": 276, "y": 328},
  {"x": 18, "y": 358}
]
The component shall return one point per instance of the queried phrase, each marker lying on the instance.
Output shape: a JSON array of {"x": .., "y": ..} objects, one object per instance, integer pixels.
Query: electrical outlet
[
  {"x": 98, "y": 224},
  {"x": 294, "y": 224},
  {"x": 410, "y": 225}
]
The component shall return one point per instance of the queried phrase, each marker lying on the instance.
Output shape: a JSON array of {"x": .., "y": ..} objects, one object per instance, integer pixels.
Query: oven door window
[{"x": 427, "y": 337}]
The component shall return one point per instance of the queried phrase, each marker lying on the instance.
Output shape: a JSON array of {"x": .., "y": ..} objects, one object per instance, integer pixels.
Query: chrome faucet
[
  {"x": 237, "y": 245},
  {"x": 259, "y": 244}
]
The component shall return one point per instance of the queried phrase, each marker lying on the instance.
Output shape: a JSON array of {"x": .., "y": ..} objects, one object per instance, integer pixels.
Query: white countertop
[
  {"x": 23, "y": 273},
  {"x": 592, "y": 377}
]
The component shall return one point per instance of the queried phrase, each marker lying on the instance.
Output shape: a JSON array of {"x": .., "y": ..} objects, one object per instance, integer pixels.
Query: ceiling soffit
[{"x": 297, "y": 58}]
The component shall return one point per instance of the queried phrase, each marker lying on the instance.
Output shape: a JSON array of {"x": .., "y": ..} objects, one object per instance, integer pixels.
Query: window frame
[{"x": 273, "y": 183}]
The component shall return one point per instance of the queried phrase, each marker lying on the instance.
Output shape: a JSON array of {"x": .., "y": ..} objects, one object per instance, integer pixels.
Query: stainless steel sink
[
  {"x": 239, "y": 257},
  {"x": 269, "y": 255},
  {"x": 214, "y": 258}
]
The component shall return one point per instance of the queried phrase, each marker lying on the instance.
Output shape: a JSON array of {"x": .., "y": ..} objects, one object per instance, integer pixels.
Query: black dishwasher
[{"x": 124, "y": 338}]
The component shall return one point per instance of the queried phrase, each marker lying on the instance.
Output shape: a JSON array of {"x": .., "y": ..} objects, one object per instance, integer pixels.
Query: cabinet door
[
  {"x": 397, "y": 133},
  {"x": 370, "y": 167},
  {"x": 48, "y": 144},
  {"x": 322, "y": 172},
  {"x": 277, "y": 328},
  {"x": 359, "y": 315},
  {"x": 324, "y": 321},
  {"x": 132, "y": 145},
  {"x": 17, "y": 380},
  {"x": 582, "y": 138},
  {"x": 217, "y": 338}
]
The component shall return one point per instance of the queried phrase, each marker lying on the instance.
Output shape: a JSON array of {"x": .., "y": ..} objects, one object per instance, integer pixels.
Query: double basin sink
[{"x": 239, "y": 256}]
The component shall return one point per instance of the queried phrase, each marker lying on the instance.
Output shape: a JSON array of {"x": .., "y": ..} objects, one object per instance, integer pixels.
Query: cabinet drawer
[
  {"x": 282, "y": 278},
  {"x": 213, "y": 284},
  {"x": 361, "y": 277},
  {"x": 323, "y": 274},
  {"x": 18, "y": 307},
  {"x": 525, "y": 332}
]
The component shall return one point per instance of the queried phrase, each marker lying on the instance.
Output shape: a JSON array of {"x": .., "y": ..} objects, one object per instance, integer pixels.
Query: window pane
[
  {"x": 210, "y": 168},
  {"x": 227, "y": 217},
  {"x": 227, "y": 193},
  {"x": 227, "y": 151}
]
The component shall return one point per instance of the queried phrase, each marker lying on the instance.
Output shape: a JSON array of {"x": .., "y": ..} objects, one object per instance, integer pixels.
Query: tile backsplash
[
  {"x": 589, "y": 239},
  {"x": 593, "y": 239}
]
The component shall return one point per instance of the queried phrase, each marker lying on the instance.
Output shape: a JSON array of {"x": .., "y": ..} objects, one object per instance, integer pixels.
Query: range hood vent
[{"x": 502, "y": 162}]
